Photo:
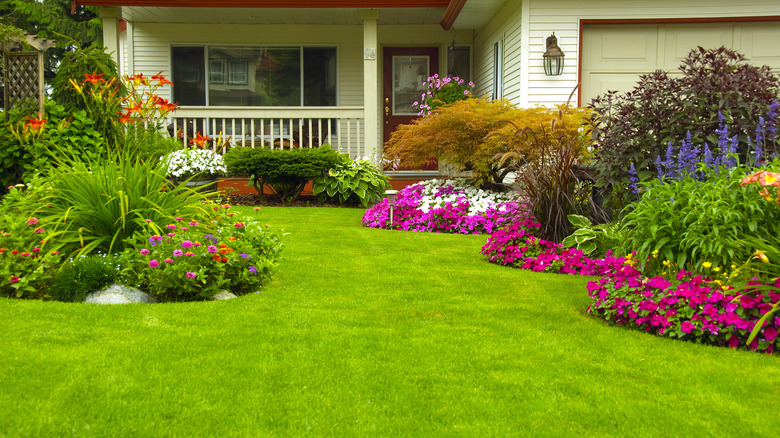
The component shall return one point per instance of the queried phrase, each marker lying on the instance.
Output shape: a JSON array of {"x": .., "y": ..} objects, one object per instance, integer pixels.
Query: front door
[{"x": 405, "y": 70}]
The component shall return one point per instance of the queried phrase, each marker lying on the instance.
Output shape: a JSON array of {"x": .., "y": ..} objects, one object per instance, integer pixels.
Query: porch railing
[{"x": 277, "y": 127}]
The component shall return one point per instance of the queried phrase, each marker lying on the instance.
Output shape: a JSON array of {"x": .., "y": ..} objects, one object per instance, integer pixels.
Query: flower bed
[
  {"x": 516, "y": 246},
  {"x": 694, "y": 309},
  {"x": 451, "y": 206}
]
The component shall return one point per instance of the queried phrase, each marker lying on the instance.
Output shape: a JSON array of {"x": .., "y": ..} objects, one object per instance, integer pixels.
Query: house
[{"x": 277, "y": 72}]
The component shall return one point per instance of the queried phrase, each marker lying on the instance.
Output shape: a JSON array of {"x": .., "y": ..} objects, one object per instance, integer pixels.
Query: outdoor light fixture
[
  {"x": 391, "y": 195},
  {"x": 553, "y": 57}
]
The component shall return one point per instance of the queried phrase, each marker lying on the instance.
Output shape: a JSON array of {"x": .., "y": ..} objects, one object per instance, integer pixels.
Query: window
[
  {"x": 498, "y": 69},
  {"x": 459, "y": 62},
  {"x": 255, "y": 76}
]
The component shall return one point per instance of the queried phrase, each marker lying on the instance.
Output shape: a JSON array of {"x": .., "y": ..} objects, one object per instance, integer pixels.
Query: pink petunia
[
  {"x": 687, "y": 326},
  {"x": 770, "y": 334}
]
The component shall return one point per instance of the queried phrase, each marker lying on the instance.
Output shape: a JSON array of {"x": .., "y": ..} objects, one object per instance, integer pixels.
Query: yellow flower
[
  {"x": 716, "y": 269},
  {"x": 761, "y": 255},
  {"x": 707, "y": 265},
  {"x": 667, "y": 263},
  {"x": 655, "y": 254}
]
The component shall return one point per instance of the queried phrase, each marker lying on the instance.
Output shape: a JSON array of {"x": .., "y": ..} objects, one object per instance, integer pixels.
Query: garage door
[{"x": 613, "y": 56}]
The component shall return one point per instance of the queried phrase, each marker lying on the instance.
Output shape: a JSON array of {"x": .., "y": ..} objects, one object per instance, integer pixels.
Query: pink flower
[
  {"x": 733, "y": 341},
  {"x": 193, "y": 223},
  {"x": 747, "y": 302},
  {"x": 179, "y": 218},
  {"x": 14, "y": 279},
  {"x": 38, "y": 231},
  {"x": 239, "y": 225},
  {"x": 32, "y": 221},
  {"x": 153, "y": 263},
  {"x": 171, "y": 227},
  {"x": 178, "y": 253},
  {"x": 186, "y": 244},
  {"x": 144, "y": 251},
  {"x": 687, "y": 326},
  {"x": 171, "y": 234},
  {"x": 191, "y": 274},
  {"x": 168, "y": 260},
  {"x": 770, "y": 334},
  {"x": 212, "y": 249}
]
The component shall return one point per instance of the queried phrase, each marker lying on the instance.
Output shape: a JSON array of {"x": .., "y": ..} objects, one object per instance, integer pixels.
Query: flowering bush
[
  {"x": 442, "y": 91},
  {"x": 193, "y": 261},
  {"x": 518, "y": 247},
  {"x": 185, "y": 163},
  {"x": 27, "y": 260},
  {"x": 451, "y": 206},
  {"x": 691, "y": 308}
]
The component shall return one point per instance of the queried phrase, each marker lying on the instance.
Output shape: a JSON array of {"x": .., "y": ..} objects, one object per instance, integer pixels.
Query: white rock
[
  {"x": 119, "y": 294},
  {"x": 223, "y": 295}
]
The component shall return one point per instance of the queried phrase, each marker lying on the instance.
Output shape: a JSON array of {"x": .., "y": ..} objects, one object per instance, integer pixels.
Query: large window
[
  {"x": 459, "y": 62},
  {"x": 254, "y": 76}
]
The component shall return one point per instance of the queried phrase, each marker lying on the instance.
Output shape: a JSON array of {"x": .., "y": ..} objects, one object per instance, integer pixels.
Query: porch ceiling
[
  {"x": 313, "y": 16},
  {"x": 476, "y": 13}
]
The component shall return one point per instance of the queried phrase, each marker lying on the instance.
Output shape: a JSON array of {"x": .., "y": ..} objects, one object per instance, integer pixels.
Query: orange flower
[
  {"x": 200, "y": 140},
  {"x": 125, "y": 117},
  {"x": 94, "y": 78},
  {"x": 35, "y": 123},
  {"x": 161, "y": 80},
  {"x": 216, "y": 257},
  {"x": 763, "y": 178}
]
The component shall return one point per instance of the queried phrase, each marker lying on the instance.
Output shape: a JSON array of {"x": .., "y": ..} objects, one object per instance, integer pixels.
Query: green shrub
[
  {"x": 596, "y": 239},
  {"x": 73, "y": 66},
  {"x": 84, "y": 275},
  {"x": 352, "y": 181},
  {"x": 637, "y": 127},
  {"x": 285, "y": 172},
  {"x": 688, "y": 221}
]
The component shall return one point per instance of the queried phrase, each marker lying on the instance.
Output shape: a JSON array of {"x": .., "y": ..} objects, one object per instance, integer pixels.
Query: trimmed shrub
[
  {"x": 285, "y": 172},
  {"x": 83, "y": 276}
]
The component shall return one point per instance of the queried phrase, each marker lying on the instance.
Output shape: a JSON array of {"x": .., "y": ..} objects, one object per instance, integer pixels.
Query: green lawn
[{"x": 367, "y": 332}]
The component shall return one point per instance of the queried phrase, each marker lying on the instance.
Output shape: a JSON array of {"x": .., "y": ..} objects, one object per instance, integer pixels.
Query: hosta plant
[{"x": 352, "y": 181}]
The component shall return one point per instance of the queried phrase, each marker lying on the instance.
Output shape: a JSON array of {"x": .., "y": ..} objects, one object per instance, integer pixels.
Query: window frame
[
  {"x": 208, "y": 46},
  {"x": 498, "y": 69}
]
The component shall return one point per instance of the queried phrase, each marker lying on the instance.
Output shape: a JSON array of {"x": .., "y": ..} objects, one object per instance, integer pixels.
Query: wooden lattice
[{"x": 24, "y": 80}]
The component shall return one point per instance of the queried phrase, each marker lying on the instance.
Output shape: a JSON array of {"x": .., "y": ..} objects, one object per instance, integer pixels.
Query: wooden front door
[{"x": 405, "y": 70}]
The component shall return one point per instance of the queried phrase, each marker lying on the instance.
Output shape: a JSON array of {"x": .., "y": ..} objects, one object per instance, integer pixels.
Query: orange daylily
[
  {"x": 35, "y": 123},
  {"x": 200, "y": 140},
  {"x": 93, "y": 78}
]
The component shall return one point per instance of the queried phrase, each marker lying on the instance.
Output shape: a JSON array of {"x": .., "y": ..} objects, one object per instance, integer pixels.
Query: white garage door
[{"x": 613, "y": 56}]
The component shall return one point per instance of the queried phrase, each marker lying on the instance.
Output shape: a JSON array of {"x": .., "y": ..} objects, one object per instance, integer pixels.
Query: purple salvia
[
  {"x": 709, "y": 161},
  {"x": 633, "y": 179},
  {"x": 669, "y": 164},
  {"x": 658, "y": 164}
]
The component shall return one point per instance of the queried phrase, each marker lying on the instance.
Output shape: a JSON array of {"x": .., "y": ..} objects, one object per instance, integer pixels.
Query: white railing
[{"x": 274, "y": 127}]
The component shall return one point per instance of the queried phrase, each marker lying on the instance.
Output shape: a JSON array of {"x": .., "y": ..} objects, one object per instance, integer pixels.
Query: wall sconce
[{"x": 553, "y": 57}]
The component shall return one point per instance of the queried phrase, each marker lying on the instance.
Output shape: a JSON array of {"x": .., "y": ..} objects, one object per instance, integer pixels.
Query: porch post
[
  {"x": 371, "y": 83},
  {"x": 110, "y": 17}
]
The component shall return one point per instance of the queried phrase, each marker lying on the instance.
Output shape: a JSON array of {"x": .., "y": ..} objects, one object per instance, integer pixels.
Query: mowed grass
[{"x": 367, "y": 332}]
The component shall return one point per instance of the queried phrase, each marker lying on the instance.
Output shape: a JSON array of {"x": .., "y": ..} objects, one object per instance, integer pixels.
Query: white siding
[
  {"x": 563, "y": 17},
  {"x": 504, "y": 25}
]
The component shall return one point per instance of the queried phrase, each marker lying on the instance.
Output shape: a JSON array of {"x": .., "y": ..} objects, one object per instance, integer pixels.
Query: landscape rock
[
  {"x": 223, "y": 295},
  {"x": 119, "y": 294}
]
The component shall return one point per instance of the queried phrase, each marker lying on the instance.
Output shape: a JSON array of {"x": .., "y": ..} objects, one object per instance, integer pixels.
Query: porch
[{"x": 342, "y": 127}]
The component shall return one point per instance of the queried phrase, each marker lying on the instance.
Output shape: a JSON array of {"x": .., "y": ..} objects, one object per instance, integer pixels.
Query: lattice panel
[{"x": 22, "y": 80}]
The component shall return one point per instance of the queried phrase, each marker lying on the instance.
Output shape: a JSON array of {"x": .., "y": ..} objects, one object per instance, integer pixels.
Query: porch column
[
  {"x": 371, "y": 83},
  {"x": 110, "y": 17}
]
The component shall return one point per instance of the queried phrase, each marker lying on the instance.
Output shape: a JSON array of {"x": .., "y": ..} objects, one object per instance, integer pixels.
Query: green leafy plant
[
  {"x": 594, "y": 239},
  {"x": 688, "y": 221},
  {"x": 352, "y": 181},
  {"x": 84, "y": 275},
  {"x": 285, "y": 172},
  {"x": 75, "y": 64},
  {"x": 96, "y": 203}
]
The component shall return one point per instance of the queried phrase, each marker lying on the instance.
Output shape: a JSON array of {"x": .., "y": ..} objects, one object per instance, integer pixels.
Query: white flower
[{"x": 187, "y": 162}]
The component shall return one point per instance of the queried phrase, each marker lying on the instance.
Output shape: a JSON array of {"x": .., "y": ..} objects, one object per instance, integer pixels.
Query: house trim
[
  {"x": 451, "y": 14},
  {"x": 596, "y": 21},
  {"x": 271, "y": 3}
]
